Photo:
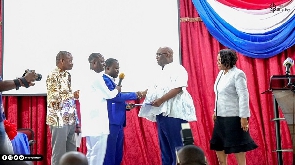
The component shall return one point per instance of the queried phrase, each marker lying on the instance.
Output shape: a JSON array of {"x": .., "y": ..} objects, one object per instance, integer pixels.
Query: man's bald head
[
  {"x": 167, "y": 49},
  {"x": 73, "y": 158},
  {"x": 164, "y": 56},
  {"x": 191, "y": 155}
]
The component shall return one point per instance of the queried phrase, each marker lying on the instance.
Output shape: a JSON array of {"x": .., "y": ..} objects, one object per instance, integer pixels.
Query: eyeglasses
[
  {"x": 160, "y": 54},
  {"x": 93, "y": 61}
]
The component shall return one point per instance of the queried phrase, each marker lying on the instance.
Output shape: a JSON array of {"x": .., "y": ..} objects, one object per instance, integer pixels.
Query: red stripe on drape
[{"x": 252, "y": 4}]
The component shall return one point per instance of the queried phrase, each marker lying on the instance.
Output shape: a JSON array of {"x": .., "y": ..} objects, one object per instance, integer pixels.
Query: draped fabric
[
  {"x": 199, "y": 51},
  {"x": 255, "y": 21},
  {"x": 255, "y": 33},
  {"x": 252, "y": 4}
]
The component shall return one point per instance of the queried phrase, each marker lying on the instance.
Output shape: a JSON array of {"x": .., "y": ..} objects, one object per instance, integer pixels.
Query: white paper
[
  {"x": 143, "y": 104},
  {"x": 78, "y": 139}
]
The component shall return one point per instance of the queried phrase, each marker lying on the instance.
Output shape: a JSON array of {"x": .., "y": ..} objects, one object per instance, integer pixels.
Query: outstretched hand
[
  {"x": 30, "y": 77},
  {"x": 141, "y": 94},
  {"x": 130, "y": 106},
  {"x": 76, "y": 94},
  {"x": 144, "y": 93}
]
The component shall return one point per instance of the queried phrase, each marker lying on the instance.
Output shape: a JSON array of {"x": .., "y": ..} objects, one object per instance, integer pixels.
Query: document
[{"x": 78, "y": 139}]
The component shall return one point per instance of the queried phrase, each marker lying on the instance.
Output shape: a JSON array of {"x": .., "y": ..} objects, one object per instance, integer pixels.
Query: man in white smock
[
  {"x": 94, "y": 113},
  {"x": 169, "y": 104}
]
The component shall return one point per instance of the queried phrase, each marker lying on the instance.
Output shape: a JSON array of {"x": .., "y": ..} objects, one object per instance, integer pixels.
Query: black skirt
[{"x": 230, "y": 137}]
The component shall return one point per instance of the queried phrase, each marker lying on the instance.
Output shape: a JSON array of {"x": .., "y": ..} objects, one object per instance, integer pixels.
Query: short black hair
[
  {"x": 228, "y": 57},
  {"x": 61, "y": 55},
  {"x": 94, "y": 56},
  {"x": 191, "y": 154},
  {"x": 110, "y": 61}
]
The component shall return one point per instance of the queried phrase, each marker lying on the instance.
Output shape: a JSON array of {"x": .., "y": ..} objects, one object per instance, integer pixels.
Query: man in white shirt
[
  {"x": 169, "y": 104},
  {"x": 94, "y": 114}
]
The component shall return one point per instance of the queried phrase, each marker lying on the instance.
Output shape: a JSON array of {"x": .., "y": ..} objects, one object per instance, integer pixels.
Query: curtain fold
[
  {"x": 252, "y": 4},
  {"x": 30, "y": 112},
  {"x": 254, "y": 21}
]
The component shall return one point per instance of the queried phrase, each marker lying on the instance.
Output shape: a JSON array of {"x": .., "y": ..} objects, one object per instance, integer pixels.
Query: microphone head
[
  {"x": 288, "y": 61},
  {"x": 121, "y": 76}
]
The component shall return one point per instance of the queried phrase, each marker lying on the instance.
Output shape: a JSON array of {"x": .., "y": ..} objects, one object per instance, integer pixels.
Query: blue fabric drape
[{"x": 262, "y": 45}]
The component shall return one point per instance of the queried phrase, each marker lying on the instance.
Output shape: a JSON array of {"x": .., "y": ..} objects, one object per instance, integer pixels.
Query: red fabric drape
[
  {"x": 140, "y": 145},
  {"x": 253, "y": 4},
  {"x": 199, "y": 50}
]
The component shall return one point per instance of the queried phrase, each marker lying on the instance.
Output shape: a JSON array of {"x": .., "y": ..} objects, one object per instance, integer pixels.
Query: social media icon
[
  {"x": 21, "y": 157},
  {"x": 4, "y": 157}
]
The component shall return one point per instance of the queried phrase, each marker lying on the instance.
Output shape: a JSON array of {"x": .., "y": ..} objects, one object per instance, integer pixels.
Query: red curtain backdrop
[
  {"x": 199, "y": 57},
  {"x": 199, "y": 51}
]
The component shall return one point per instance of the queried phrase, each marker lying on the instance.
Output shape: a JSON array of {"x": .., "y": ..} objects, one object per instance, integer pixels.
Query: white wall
[{"x": 130, "y": 31}]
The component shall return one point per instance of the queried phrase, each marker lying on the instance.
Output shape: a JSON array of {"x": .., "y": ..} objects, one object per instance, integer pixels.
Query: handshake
[{"x": 141, "y": 94}]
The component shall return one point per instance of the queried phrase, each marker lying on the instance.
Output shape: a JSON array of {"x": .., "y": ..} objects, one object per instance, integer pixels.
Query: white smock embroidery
[{"x": 181, "y": 106}]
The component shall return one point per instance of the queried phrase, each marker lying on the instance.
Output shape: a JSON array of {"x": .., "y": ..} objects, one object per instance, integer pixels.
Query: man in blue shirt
[{"x": 117, "y": 114}]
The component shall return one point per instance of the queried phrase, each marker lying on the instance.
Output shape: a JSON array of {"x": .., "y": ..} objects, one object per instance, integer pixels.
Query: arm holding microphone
[
  {"x": 121, "y": 77},
  {"x": 122, "y": 96}
]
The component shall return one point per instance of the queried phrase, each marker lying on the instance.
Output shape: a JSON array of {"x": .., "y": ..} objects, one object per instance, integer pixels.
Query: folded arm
[{"x": 172, "y": 93}]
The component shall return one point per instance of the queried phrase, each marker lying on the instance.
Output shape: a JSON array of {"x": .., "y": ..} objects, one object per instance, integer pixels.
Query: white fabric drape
[{"x": 254, "y": 21}]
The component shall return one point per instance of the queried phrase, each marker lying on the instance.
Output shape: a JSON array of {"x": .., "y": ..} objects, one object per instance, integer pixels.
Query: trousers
[
  {"x": 96, "y": 149},
  {"x": 114, "y": 153},
  {"x": 62, "y": 140},
  {"x": 169, "y": 137}
]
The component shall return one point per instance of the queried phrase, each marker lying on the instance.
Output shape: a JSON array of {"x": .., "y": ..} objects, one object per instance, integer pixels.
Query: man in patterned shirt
[{"x": 61, "y": 109}]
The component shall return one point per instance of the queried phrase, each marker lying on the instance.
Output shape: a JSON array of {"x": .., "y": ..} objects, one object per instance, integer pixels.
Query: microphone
[
  {"x": 121, "y": 77},
  {"x": 288, "y": 63}
]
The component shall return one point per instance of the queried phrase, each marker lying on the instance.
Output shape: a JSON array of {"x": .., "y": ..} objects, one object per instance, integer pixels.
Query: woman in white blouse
[{"x": 231, "y": 113}]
